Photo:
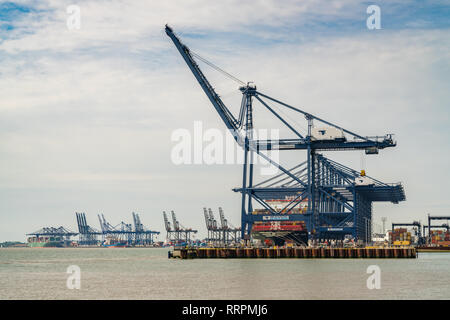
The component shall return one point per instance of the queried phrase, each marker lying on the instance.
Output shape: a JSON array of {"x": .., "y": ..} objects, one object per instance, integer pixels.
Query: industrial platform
[{"x": 308, "y": 253}]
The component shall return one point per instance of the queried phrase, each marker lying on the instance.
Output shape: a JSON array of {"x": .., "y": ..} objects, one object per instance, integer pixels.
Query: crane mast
[{"x": 227, "y": 117}]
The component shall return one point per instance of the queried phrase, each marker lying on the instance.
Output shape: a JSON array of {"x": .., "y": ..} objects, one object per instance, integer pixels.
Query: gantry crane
[
  {"x": 223, "y": 234},
  {"x": 124, "y": 231},
  {"x": 211, "y": 226},
  {"x": 53, "y": 233},
  {"x": 214, "y": 226},
  {"x": 444, "y": 225},
  {"x": 168, "y": 226},
  {"x": 142, "y": 235},
  {"x": 339, "y": 198},
  {"x": 229, "y": 232},
  {"x": 88, "y": 235},
  {"x": 177, "y": 233}
]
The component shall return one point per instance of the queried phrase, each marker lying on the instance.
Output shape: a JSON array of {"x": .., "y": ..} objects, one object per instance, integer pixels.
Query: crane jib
[
  {"x": 223, "y": 111},
  {"x": 370, "y": 144}
]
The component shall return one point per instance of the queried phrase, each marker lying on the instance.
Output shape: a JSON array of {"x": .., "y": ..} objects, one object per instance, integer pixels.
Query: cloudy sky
[{"x": 86, "y": 115}]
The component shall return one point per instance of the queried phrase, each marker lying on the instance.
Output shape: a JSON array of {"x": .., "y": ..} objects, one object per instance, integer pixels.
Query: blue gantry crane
[
  {"x": 339, "y": 198},
  {"x": 60, "y": 234},
  {"x": 139, "y": 236}
]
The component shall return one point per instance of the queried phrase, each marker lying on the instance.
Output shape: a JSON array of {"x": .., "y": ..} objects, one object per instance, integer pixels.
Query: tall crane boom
[
  {"x": 227, "y": 117},
  {"x": 223, "y": 221},
  {"x": 166, "y": 222},
  {"x": 102, "y": 226},
  {"x": 176, "y": 224},
  {"x": 207, "y": 220},
  {"x": 212, "y": 219}
]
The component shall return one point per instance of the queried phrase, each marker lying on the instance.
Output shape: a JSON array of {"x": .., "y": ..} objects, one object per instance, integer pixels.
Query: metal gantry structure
[
  {"x": 61, "y": 232},
  {"x": 339, "y": 198},
  {"x": 230, "y": 233},
  {"x": 142, "y": 235},
  {"x": 175, "y": 232},
  {"x": 223, "y": 234},
  {"x": 211, "y": 226},
  {"x": 88, "y": 235},
  {"x": 434, "y": 218},
  {"x": 139, "y": 235}
]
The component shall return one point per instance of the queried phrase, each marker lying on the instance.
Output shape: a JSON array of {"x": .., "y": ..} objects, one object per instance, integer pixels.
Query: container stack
[
  {"x": 440, "y": 237},
  {"x": 400, "y": 237}
]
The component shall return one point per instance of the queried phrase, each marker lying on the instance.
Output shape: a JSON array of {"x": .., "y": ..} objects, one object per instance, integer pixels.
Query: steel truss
[
  {"x": 87, "y": 234},
  {"x": 139, "y": 236},
  {"x": 176, "y": 233},
  {"x": 223, "y": 234},
  {"x": 62, "y": 232}
]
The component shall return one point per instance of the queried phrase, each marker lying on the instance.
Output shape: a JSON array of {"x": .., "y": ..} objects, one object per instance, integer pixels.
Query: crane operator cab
[{"x": 327, "y": 134}]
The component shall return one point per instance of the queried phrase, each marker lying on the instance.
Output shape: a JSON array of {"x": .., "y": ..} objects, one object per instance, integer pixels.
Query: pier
[{"x": 303, "y": 252}]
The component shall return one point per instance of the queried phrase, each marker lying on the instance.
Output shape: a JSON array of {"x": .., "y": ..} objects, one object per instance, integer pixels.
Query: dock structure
[{"x": 293, "y": 252}]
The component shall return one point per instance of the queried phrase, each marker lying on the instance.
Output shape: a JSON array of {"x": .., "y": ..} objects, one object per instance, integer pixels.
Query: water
[{"x": 142, "y": 273}]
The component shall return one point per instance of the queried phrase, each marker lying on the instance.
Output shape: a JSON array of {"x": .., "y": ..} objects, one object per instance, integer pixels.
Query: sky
[{"x": 86, "y": 115}]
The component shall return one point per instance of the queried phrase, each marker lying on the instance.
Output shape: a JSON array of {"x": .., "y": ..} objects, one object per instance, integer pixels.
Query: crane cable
[{"x": 212, "y": 65}]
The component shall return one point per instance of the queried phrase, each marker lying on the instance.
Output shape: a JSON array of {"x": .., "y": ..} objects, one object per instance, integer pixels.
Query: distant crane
[
  {"x": 211, "y": 225},
  {"x": 88, "y": 235},
  {"x": 444, "y": 225},
  {"x": 177, "y": 233},
  {"x": 214, "y": 227},
  {"x": 142, "y": 235},
  {"x": 52, "y": 232},
  {"x": 167, "y": 223},
  {"x": 125, "y": 232},
  {"x": 223, "y": 234},
  {"x": 230, "y": 233}
]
